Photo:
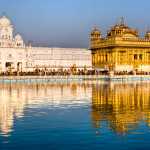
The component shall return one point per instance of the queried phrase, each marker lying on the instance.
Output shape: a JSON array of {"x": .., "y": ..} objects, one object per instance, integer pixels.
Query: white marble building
[{"x": 15, "y": 55}]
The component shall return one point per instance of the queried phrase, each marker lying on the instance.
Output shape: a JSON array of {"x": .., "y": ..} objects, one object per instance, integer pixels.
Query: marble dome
[
  {"x": 4, "y": 21},
  {"x": 18, "y": 37}
]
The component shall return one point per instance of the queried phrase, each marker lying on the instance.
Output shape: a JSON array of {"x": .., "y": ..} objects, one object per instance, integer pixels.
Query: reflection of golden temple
[
  {"x": 121, "y": 105},
  {"x": 121, "y": 50},
  {"x": 16, "y": 97}
]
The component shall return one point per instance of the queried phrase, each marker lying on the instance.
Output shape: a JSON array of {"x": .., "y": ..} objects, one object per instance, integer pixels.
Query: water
[{"x": 75, "y": 116}]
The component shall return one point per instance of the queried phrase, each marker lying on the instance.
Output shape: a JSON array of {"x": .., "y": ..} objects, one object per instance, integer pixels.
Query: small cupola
[
  {"x": 95, "y": 34},
  {"x": 147, "y": 35}
]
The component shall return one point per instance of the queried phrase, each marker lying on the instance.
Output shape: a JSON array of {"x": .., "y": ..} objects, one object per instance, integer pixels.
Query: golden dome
[
  {"x": 122, "y": 30},
  {"x": 95, "y": 31}
]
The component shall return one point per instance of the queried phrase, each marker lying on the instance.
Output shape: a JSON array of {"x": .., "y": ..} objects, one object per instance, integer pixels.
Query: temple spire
[{"x": 121, "y": 21}]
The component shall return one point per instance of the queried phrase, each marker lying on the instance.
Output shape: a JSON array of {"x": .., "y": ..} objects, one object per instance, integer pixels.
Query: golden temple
[{"x": 122, "y": 49}]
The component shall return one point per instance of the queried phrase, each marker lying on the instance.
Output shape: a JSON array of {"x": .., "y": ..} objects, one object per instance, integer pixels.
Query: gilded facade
[{"x": 122, "y": 49}]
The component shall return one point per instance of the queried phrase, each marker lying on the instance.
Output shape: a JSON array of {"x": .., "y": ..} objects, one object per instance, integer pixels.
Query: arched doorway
[
  {"x": 19, "y": 67},
  {"x": 9, "y": 67}
]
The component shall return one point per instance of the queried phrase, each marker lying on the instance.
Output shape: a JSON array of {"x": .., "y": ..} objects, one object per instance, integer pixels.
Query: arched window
[
  {"x": 106, "y": 57},
  {"x": 140, "y": 56},
  {"x": 135, "y": 57}
]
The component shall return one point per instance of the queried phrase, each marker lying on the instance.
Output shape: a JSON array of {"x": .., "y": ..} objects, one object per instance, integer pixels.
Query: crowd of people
[
  {"x": 43, "y": 72},
  {"x": 67, "y": 72}
]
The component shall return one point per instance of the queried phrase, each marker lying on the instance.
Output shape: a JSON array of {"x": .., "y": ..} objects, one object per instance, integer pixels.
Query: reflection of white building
[
  {"x": 16, "y": 55},
  {"x": 15, "y": 98}
]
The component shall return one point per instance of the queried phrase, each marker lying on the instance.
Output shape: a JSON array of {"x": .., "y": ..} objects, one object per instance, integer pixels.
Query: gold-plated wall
[
  {"x": 121, "y": 46},
  {"x": 104, "y": 58}
]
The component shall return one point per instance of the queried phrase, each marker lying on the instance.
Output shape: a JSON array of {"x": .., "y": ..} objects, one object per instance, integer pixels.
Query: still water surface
[{"x": 75, "y": 116}]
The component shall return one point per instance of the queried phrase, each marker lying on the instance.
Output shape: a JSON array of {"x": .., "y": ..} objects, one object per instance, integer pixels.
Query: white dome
[
  {"x": 18, "y": 37},
  {"x": 4, "y": 21}
]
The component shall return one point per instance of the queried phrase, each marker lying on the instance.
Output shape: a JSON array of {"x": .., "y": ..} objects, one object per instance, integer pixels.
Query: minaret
[{"x": 6, "y": 32}]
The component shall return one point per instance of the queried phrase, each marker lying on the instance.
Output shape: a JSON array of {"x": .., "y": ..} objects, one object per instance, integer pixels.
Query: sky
[{"x": 68, "y": 23}]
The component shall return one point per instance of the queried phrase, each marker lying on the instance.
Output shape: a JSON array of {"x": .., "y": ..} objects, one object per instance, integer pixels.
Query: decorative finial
[
  {"x": 148, "y": 28},
  {"x": 4, "y": 13},
  {"x": 95, "y": 27},
  {"x": 121, "y": 21}
]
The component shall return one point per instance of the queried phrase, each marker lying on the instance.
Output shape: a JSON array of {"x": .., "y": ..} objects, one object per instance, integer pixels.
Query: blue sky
[{"x": 67, "y": 23}]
